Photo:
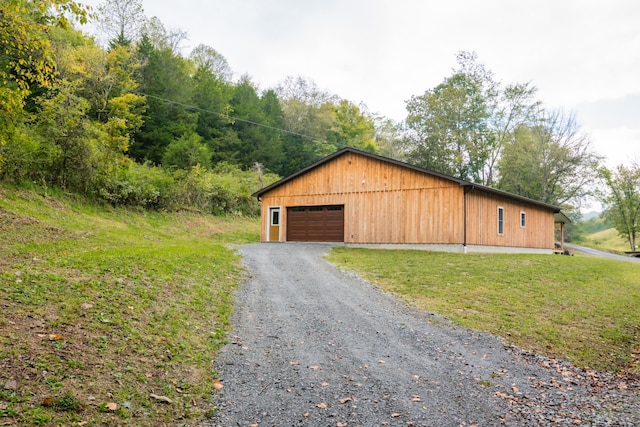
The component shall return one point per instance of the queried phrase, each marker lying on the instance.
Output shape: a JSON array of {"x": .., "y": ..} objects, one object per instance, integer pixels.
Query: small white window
[
  {"x": 500, "y": 221},
  {"x": 275, "y": 216},
  {"x": 523, "y": 219}
]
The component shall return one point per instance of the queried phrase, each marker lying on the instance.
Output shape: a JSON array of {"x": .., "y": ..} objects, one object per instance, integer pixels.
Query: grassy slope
[
  {"x": 607, "y": 240},
  {"x": 100, "y": 308},
  {"x": 579, "y": 308}
]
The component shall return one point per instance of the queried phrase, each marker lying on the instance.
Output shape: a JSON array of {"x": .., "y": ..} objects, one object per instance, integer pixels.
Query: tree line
[{"x": 135, "y": 121}]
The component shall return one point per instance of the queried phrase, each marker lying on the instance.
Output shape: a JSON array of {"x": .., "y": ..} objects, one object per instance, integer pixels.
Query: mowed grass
[
  {"x": 582, "y": 309},
  {"x": 607, "y": 240},
  {"x": 102, "y": 308}
]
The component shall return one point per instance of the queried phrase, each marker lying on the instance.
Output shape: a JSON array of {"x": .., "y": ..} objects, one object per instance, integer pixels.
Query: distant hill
[{"x": 590, "y": 215}]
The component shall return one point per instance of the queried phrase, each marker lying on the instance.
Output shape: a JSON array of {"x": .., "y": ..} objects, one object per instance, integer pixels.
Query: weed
[{"x": 485, "y": 383}]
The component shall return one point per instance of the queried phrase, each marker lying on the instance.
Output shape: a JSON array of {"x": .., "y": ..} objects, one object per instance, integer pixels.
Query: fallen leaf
[
  {"x": 306, "y": 415},
  {"x": 83, "y": 423},
  {"x": 396, "y": 415},
  {"x": 217, "y": 384},
  {"x": 410, "y": 423},
  {"x": 112, "y": 406},
  {"x": 345, "y": 400},
  {"x": 47, "y": 401},
  {"x": 294, "y": 363},
  {"x": 315, "y": 368},
  {"x": 148, "y": 375},
  {"x": 322, "y": 405},
  {"x": 253, "y": 425},
  {"x": 415, "y": 399},
  {"x": 341, "y": 424},
  {"x": 55, "y": 337},
  {"x": 164, "y": 399},
  {"x": 382, "y": 362},
  {"x": 325, "y": 384},
  {"x": 514, "y": 388},
  {"x": 11, "y": 385}
]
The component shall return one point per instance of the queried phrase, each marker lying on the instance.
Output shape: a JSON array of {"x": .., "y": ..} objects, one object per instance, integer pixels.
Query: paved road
[
  {"x": 315, "y": 346},
  {"x": 596, "y": 252}
]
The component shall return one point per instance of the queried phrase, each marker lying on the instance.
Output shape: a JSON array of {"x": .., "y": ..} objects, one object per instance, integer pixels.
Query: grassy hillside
[
  {"x": 608, "y": 240},
  {"x": 582, "y": 309},
  {"x": 111, "y": 316}
]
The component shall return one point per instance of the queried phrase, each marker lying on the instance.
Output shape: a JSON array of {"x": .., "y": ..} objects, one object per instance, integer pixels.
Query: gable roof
[{"x": 468, "y": 186}]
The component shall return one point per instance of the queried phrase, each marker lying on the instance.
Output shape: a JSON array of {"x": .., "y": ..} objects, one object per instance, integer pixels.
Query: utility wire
[{"x": 225, "y": 116}]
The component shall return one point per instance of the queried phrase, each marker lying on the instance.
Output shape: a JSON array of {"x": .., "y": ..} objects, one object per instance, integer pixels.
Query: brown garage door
[{"x": 315, "y": 224}]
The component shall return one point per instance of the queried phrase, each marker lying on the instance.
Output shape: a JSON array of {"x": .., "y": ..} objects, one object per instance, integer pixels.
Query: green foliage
[
  {"x": 550, "y": 161},
  {"x": 622, "y": 201},
  {"x": 582, "y": 309},
  {"x": 141, "y": 301},
  {"x": 186, "y": 152},
  {"x": 450, "y": 132},
  {"x": 26, "y": 56}
]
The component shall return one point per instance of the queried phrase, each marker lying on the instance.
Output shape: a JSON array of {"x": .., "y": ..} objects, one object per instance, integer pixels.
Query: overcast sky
[{"x": 582, "y": 55}]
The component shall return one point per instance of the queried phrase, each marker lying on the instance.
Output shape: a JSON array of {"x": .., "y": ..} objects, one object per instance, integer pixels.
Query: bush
[{"x": 225, "y": 190}]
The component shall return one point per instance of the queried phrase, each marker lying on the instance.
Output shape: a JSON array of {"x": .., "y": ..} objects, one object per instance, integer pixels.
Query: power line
[{"x": 226, "y": 116}]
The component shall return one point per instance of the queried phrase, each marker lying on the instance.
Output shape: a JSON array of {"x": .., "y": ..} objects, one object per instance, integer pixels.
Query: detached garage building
[{"x": 357, "y": 197}]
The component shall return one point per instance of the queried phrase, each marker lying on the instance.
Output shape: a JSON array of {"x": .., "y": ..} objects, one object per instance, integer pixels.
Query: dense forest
[{"x": 134, "y": 120}]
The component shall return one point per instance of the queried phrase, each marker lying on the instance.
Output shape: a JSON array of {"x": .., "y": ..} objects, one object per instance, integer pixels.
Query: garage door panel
[{"x": 315, "y": 224}]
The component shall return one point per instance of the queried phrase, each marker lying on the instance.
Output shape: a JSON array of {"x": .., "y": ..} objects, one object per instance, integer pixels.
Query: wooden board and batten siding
[
  {"x": 386, "y": 201},
  {"x": 482, "y": 222}
]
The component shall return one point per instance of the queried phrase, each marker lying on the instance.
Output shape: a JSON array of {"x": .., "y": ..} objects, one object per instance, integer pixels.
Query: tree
[
  {"x": 161, "y": 38},
  {"x": 309, "y": 113},
  {"x": 461, "y": 126},
  {"x": 165, "y": 79},
  {"x": 353, "y": 128},
  {"x": 26, "y": 55},
  {"x": 550, "y": 161},
  {"x": 622, "y": 201},
  {"x": 449, "y": 130},
  {"x": 206, "y": 57},
  {"x": 62, "y": 122},
  {"x": 388, "y": 138},
  {"x": 259, "y": 138},
  {"x": 121, "y": 21},
  {"x": 187, "y": 152}
]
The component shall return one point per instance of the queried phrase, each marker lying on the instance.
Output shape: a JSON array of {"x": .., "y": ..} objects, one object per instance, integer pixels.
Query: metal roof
[{"x": 469, "y": 186}]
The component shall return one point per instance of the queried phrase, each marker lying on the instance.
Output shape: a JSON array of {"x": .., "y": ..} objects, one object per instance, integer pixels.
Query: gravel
[{"x": 316, "y": 346}]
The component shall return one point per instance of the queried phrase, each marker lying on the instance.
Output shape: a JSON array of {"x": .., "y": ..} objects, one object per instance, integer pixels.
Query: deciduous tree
[
  {"x": 551, "y": 161},
  {"x": 622, "y": 201}
]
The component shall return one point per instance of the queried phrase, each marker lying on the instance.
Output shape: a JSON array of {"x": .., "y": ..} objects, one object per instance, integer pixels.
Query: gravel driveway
[{"x": 315, "y": 346}]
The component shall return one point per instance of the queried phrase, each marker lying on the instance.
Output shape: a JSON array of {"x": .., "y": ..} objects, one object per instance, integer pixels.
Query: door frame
[{"x": 271, "y": 227}]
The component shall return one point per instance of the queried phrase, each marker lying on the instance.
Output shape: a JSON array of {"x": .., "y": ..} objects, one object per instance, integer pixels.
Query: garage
[{"x": 315, "y": 223}]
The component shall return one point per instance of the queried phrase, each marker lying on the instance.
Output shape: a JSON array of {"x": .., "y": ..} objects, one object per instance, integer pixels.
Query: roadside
[
  {"x": 313, "y": 346},
  {"x": 595, "y": 252}
]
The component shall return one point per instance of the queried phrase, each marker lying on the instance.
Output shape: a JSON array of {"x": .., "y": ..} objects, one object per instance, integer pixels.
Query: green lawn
[
  {"x": 100, "y": 308},
  {"x": 607, "y": 240},
  {"x": 582, "y": 309}
]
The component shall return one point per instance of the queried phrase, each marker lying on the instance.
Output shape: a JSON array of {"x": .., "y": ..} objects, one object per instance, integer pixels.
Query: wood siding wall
[
  {"x": 383, "y": 202},
  {"x": 388, "y": 203},
  {"x": 482, "y": 222}
]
